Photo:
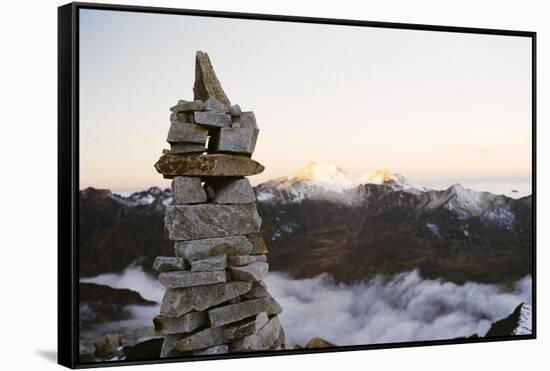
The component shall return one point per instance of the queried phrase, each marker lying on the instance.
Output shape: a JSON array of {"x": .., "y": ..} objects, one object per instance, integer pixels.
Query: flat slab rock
[
  {"x": 255, "y": 271},
  {"x": 202, "y": 339},
  {"x": 208, "y": 247},
  {"x": 262, "y": 340},
  {"x": 210, "y": 165},
  {"x": 213, "y": 263},
  {"x": 177, "y": 302},
  {"x": 246, "y": 327},
  {"x": 186, "y": 133},
  {"x": 235, "y": 312},
  {"x": 180, "y": 279},
  {"x": 190, "y": 222},
  {"x": 169, "y": 264},
  {"x": 189, "y": 322},
  {"x": 212, "y": 119},
  {"x": 187, "y": 106},
  {"x": 239, "y": 260}
]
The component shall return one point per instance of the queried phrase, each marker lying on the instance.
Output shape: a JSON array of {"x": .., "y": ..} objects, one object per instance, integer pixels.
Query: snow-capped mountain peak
[
  {"x": 327, "y": 176},
  {"x": 384, "y": 176}
]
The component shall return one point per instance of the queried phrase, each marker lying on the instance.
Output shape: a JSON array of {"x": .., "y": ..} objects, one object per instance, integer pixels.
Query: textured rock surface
[
  {"x": 218, "y": 349},
  {"x": 188, "y": 222},
  {"x": 214, "y": 263},
  {"x": 188, "y": 106},
  {"x": 204, "y": 248},
  {"x": 172, "y": 325},
  {"x": 273, "y": 307},
  {"x": 212, "y": 104},
  {"x": 258, "y": 244},
  {"x": 169, "y": 263},
  {"x": 235, "y": 110},
  {"x": 318, "y": 342},
  {"x": 258, "y": 290},
  {"x": 169, "y": 346},
  {"x": 212, "y": 119},
  {"x": 232, "y": 191},
  {"x": 206, "y": 338},
  {"x": 181, "y": 132},
  {"x": 246, "y": 327},
  {"x": 180, "y": 301},
  {"x": 206, "y": 82},
  {"x": 187, "y": 190},
  {"x": 236, "y": 312},
  {"x": 239, "y": 260},
  {"x": 236, "y": 140},
  {"x": 263, "y": 340},
  {"x": 107, "y": 346},
  {"x": 211, "y": 165},
  {"x": 255, "y": 271},
  {"x": 180, "y": 279}
]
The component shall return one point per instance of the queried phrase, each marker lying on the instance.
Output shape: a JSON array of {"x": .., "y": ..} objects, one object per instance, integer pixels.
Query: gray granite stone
[
  {"x": 236, "y": 140},
  {"x": 188, "y": 106},
  {"x": 255, "y": 271},
  {"x": 181, "y": 132},
  {"x": 246, "y": 327},
  {"x": 187, "y": 190},
  {"x": 218, "y": 349},
  {"x": 180, "y": 279},
  {"x": 235, "y": 110},
  {"x": 206, "y": 82},
  {"x": 213, "y": 263},
  {"x": 206, "y": 338},
  {"x": 191, "y": 222},
  {"x": 273, "y": 307},
  {"x": 214, "y": 105},
  {"x": 205, "y": 248},
  {"x": 262, "y": 340},
  {"x": 189, "y": 322},
  {"x": 232, "y": 191},
  {"x": 169, "y": 263},
  {"x": 258, "y": 290},
  {"x": 212, "y": 119},
  {"x": 235, "y": 312},
  {"x": 177, "y": 302}
]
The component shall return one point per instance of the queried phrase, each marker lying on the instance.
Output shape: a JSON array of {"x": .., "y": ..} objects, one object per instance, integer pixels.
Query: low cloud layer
[{"x": 403, "y": 308}]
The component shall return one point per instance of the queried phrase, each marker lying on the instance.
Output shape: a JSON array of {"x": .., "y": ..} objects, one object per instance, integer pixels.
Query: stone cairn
[{"x": 215, "y": 301}]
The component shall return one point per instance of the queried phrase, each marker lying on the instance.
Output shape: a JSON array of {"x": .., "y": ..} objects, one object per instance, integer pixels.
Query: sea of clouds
[{"x": 405, "y": 307}]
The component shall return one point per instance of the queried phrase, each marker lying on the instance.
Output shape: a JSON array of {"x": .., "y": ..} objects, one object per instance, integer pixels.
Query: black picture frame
[{"x": 68, "y": 176}]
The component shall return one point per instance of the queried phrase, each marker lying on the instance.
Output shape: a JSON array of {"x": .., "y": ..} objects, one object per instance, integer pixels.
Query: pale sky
[{"x": 435, "y": 107}]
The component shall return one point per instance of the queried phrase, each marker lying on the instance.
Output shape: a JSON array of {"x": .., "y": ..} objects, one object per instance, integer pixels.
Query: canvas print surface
[{"x": 265, "y": 186}]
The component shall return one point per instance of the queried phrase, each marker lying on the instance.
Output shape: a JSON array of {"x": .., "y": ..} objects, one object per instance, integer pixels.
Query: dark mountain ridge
[{"x": 455, "y": 234}]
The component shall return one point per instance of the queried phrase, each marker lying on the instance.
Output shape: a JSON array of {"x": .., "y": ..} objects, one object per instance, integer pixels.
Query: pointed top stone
[{"x": 207, "y": 84}]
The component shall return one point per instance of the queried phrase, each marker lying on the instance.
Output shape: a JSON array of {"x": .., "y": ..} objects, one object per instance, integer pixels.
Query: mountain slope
[{"x": 317, "y": 221}]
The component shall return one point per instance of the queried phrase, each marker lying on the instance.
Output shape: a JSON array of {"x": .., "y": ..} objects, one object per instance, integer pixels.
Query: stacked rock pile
[{"x": 215, "y": 300}]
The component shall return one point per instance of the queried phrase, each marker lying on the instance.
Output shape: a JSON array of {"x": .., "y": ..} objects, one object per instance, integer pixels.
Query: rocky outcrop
[{"x": 215, "y": 300}]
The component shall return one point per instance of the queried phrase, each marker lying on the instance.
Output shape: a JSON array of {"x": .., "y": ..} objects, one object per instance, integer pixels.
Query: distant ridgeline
[{"x": 215, "y": 300}]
